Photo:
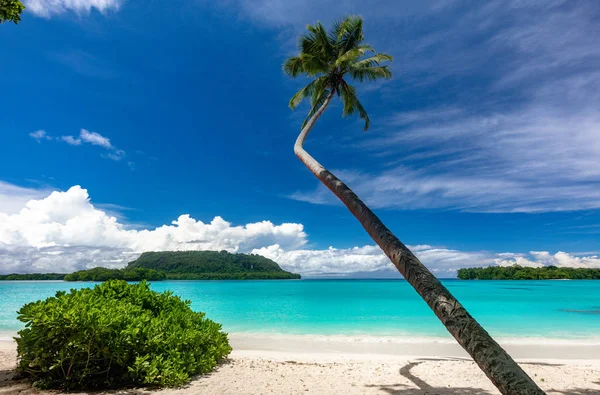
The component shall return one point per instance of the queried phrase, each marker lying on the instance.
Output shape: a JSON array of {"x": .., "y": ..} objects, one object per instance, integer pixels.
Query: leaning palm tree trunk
[{"x": 501, "y": 369}]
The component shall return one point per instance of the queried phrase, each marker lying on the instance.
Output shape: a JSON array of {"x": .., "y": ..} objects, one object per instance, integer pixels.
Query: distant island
[
  {"x": 517, "y": 272},
  {"x": 32, "y": 276},
  {"x": 211, "y": 265},
  {"x": 177, "y": 265}
]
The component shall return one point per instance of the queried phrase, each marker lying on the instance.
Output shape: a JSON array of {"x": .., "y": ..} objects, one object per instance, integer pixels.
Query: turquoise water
[{"x": 509, "y": 309}]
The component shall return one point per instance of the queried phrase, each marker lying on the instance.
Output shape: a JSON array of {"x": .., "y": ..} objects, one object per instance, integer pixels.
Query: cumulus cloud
[
  {"x": 42, "y": 231},
  {"x": 13, "y": 198},
  {"x": 544, "y": 258},
  {"x": 64, "y": 226},
  {"x": 49, "y": 8},
  {"x": 369, "y": 259}
]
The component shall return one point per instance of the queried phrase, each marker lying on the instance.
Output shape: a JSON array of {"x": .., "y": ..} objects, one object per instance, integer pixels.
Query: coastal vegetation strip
[{"x": 517, "y": 272}]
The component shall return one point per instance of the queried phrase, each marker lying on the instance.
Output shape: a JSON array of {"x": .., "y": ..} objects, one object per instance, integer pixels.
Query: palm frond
[
  {"x": 353, "y": 54},
  {"x": 317, "y": 102},
  {"x": 352, "y": 104},
  {"x": 293, "y": 66},
  {"x": 370, "y": 73},
  {"x": 335, "y": 33},
  {"x": 307, "y": 43},
  {"x": 351, "y": 33},
  {"x": 308, "y": 91},
  {"x": 322, "y": 40},
  {"x": 314, "y": 64},
  {"x": 373, "y": 60},
  {"x": 362, "y": 114}
]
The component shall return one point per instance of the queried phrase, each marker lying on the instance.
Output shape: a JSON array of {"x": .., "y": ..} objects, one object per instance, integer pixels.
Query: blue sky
[{"x": 484, "y": 147}]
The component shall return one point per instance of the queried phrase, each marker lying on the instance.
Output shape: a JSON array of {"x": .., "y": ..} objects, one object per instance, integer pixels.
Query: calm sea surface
[{"x": 509, "y": 309}]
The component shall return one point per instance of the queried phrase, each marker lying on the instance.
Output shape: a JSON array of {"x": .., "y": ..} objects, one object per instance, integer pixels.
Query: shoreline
[
  {"x": 403, "y": 347},
  {"x": 285, "y": 364},
  {"x": 391, "y": 347}
]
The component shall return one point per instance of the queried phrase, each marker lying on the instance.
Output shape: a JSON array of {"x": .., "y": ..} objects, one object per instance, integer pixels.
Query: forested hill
[
  {"x": 517, "y": 272},
  {"x": 183, "y": 265}
]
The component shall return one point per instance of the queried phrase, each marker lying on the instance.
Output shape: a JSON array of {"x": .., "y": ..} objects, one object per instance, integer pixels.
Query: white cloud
[
  {"x": 13, "y": 198},
  {"x": 63, "y": 225},
  {"x": 541, "y": 158},
  {"x": 500, "y": 112},
  {"x": 71, "y": 140},
  {"x": 332, "y": 261},
  {"x": 49, "y": 8},
  {"x": 84, "y": 63},
  {"x": 87, "y": 137},
  {"x": 560, "y": 259},
  {"x": 40, "y": 135},
  {"x": 443, "y": 262},
  {"x": 117, "y": 155},
  {"x": 64, "y": 231},
  {"x": 95, "y": 139},
  {"x": 361, "y": 261}
]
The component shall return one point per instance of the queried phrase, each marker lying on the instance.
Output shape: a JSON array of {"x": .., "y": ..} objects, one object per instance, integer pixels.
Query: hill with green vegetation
[
  {"x": 177, "y": 265},
  {"x": 517, "y": 272},
  {"x": 211, "y": 265},
  {"x": 127, "y": 274}
]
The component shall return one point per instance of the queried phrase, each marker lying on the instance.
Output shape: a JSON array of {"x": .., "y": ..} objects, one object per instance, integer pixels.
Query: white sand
[{"x": 267, "y": 364}]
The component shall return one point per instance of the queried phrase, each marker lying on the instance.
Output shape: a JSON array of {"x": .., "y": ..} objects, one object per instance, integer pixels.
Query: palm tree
[{"x": 331, "y": 58}]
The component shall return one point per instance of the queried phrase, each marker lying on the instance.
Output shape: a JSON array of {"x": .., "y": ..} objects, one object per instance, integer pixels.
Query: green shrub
[{"x": 116, "y": 334}]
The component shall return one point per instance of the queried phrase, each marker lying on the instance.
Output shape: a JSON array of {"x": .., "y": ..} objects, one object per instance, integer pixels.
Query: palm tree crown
[{"x": 331, "y": 58}]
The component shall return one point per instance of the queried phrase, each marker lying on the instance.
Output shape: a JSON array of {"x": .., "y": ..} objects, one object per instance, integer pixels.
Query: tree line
[{"x": 517, "y": 272}]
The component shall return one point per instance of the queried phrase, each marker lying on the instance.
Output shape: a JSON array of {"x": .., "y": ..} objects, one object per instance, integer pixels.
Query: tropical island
[
  {"x": 177, "y": 265},
  {"x": 517, "y": 272}
]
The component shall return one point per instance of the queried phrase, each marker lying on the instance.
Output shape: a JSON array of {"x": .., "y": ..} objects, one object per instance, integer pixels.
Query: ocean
[{"x": 534, "y": 310}]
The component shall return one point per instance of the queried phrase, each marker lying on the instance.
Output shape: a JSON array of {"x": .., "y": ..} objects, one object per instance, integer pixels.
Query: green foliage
[
  {"x": 32, "y": 276},
  {"x": 331, "y": 57},
  {"x": 127, "y": 274},
  {"x": 234, "y": 276},
  {"x": 116, "y": 334},
  {"x": 517, "y": 272},
  {"x": 10, "y": 11},
  {"x": 209, "y": 265}
]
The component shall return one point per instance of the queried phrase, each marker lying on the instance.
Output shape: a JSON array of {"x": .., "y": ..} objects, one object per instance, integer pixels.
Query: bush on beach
[{"x": 116, "y": 334}]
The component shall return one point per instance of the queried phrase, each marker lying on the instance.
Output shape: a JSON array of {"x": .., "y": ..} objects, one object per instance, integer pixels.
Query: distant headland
[{"x": 177, "y": 265}]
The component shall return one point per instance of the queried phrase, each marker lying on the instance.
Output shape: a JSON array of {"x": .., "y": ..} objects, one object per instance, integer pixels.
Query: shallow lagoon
[{"x": 568, "y": 310}]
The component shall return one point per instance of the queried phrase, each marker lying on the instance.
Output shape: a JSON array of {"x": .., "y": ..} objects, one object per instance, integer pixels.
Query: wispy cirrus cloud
[
  {"x": 86, "y": 137},
  {"x": 534, "y": 160},
  {"x": 83, "y": 63},
  {"x": 507, "y": 113},
  {"x": 50, "y": 8}
]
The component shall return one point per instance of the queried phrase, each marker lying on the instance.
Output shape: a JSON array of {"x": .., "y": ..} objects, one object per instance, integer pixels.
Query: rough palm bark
[{"x": 500, "y": 368}]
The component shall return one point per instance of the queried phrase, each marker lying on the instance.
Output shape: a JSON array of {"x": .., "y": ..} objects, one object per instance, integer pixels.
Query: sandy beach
[{"x": 268, "y": 364}]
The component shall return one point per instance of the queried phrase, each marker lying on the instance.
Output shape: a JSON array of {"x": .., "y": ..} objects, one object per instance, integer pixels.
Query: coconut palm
[{"x": 331, "y": 59}]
